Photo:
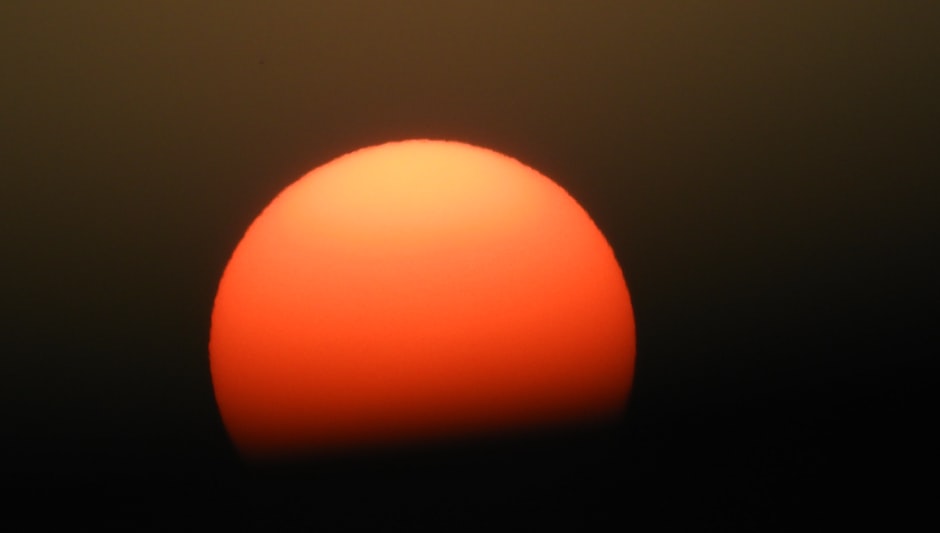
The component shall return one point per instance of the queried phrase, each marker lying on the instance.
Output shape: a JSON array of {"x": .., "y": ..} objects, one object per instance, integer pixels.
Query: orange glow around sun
[{"x": 415, "y": 290}]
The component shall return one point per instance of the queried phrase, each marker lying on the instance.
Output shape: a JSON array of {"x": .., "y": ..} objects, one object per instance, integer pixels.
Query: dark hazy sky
[{"x": 767, "y": 174}]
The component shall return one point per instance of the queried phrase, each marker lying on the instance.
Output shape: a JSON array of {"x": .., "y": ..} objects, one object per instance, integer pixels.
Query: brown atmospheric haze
[{"x": 765, "y": 174}]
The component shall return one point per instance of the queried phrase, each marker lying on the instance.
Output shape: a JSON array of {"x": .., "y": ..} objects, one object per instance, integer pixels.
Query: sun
[{"x": 417, "y": 290}]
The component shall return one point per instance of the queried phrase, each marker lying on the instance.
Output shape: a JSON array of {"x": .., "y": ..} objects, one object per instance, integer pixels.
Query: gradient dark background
[{"x": 767, "y": 174}]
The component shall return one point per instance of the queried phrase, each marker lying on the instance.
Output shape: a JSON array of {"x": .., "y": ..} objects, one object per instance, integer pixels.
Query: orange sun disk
[{"x": 415, "y": 290}]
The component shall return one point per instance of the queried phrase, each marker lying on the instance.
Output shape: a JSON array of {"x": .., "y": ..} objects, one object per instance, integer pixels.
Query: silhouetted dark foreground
[{"x": 765, "y": 465}]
